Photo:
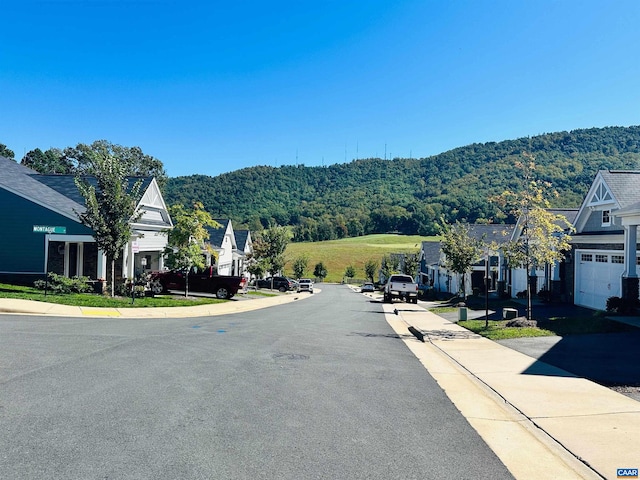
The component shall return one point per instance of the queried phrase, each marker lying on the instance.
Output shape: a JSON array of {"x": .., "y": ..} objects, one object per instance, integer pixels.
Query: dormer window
[{"x": 606, "y": 218}]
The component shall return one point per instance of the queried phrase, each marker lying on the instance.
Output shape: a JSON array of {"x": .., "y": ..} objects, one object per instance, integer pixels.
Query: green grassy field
[{"x": 338, "y": 254}]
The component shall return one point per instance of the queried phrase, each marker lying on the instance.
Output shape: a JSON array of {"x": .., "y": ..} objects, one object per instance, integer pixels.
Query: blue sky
[{"x": 212, "y": 87}]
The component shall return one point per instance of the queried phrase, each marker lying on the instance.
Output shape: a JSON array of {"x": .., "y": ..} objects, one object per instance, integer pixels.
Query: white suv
[{"x": 305, "y": 285}]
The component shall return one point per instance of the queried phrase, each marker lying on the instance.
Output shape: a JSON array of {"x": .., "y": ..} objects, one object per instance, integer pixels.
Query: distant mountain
[{"x": 406, "y": 195}]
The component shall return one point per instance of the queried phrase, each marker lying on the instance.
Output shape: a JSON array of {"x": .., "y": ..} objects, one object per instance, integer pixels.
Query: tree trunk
[{"x": 113, "y": 277}]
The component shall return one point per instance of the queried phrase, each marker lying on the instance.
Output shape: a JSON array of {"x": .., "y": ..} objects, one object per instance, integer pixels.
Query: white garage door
[{"x": 598, "y": 277}]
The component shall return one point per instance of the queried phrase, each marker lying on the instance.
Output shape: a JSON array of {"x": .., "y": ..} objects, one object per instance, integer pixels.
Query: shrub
[
  {"x": 522, "y": 294},
  {"x": 544, "y": 295},
  {"x": 620, "y": 305},
  {"x": 62, "y": 285},
  {"x": 139, "y": 287}
]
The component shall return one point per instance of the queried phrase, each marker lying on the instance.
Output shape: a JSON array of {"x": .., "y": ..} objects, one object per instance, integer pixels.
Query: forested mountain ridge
[{"x": 407, "y": 195}]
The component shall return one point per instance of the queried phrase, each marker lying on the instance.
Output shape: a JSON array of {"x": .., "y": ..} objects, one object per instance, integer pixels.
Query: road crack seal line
[{"x": 290, "y": 356}]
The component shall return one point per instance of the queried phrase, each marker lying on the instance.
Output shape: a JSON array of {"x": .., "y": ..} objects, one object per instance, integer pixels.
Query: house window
[
  {"x": 606, "y": 218},
  {"x": 586, "y": 257},
  {"x": 602, "y": 258},
  {"x": 617, "y": 258}
]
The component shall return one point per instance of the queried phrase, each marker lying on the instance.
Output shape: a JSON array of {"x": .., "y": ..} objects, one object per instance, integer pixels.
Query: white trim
[{"x": 588, "y": 206}]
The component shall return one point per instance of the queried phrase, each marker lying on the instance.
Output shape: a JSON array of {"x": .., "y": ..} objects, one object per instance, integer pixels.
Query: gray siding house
[{"x": 605, "y": 246}]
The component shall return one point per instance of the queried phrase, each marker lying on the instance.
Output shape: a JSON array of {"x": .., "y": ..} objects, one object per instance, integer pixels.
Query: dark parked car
[
  {"x": 279, "y": 283},
  {"x": 200, "y": 280}
]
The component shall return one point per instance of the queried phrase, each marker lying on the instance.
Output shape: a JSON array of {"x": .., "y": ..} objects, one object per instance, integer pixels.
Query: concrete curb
[{"x": 28, "y": 307}]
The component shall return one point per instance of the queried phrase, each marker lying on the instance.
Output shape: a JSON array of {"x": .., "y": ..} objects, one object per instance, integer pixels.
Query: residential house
[
  {"x": 434, "y": 273},
  {"x": 604, "y": 255},
  {"x": 42, "y": 232},
  {"x": 223, "y": 241},
  {"x": 244, "y": 249},
  {"x": 552, "y": 278}
]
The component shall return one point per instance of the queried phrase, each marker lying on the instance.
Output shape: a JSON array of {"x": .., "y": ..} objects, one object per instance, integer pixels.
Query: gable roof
[
  {"x": 242, "y": 237},
  {"x": 430, "y": 252},
  {"x": 624, "y": 185},
  {"x": 216, "y": 235},
  {"x": 491, "y": 233},
  {"x": 66, "y": 185},
  {"x": 59, "y": 193},
  {"x": 611, "y": 189},
  {"x": 23, "y": 181}
]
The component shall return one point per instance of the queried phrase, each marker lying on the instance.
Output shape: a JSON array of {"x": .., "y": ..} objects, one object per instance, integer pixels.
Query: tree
[
  {"x": 389, "y": 266},
  {"x": 349, "y": 272},
  {"x": 370, "y": 269},
  {"x": 110, "y": 205},
  {"x": 461, "y": 250},
  {"x": 320, "y": 271},
  {"x": 186, "y": 240},
  {"x": 300, "y": 265},
  {"x": 134, "y": 161},
  {"x": 410, "y": 265},
  {"x": 269, "y": 247},
  {"x": 543, "y": 238},
  {"x": 51, "y": 161},
  {"x": 6, "y": 152}
]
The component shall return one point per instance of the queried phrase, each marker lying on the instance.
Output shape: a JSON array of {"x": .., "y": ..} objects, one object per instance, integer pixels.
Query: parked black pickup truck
[{"x": 200, "y": 280}]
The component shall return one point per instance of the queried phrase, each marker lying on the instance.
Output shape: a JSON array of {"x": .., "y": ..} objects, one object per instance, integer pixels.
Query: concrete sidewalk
[{"x": 543, "y": 422}]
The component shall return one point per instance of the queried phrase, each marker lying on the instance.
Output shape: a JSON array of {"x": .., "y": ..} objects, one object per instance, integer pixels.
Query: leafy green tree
[
  {"x": 269, "y": 248},
  {"x": 389, "y": 265},
  {"x": 349, "y": 272},
  {"x": 461, "y": 250},
  {"x": 320, "y": 271},
  {"x": 370, "y": 269},
  {"x": 51, "y": 161},
  {"x": 110, "y": 205},
  {"x": 186, "y": 240},
  {"x": 410, "y": 265},
  {"x": 300, "y": 266},
  {"x": 6, "y": 152},
  {"x": 134, "y": 161},
  {"x": 543, "y": 238}
]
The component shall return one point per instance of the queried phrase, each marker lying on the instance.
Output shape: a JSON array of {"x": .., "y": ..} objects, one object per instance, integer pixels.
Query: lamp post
[{"x": 486, "y": 289}]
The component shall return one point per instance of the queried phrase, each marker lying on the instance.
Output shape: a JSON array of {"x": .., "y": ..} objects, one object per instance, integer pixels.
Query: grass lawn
[
  {"x": 338, "y": 254},
  {"x": 94, "y": 300},
  {"x": 586, "y": 323},
  {"x": 497, "y": 330}
]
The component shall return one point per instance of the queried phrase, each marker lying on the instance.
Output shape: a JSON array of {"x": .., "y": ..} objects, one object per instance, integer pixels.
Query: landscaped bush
[
  {"x": 522, "y": 294},
  {"x": 544, "y": 295},
  {"x": 139, "y": 287},
  {"x": 61, "y": 284},
  {"x": 620, "y": 305}
]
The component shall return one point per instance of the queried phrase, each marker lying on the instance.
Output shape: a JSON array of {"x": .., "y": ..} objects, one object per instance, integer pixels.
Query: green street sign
[{"x": 48, "y": 229}]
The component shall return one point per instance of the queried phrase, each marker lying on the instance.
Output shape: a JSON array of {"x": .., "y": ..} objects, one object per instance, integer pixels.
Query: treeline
[{"x": 407, "y": 195}]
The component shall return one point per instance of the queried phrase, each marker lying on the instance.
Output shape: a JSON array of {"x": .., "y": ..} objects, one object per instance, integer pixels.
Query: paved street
[{"x": 318, "y": 388}]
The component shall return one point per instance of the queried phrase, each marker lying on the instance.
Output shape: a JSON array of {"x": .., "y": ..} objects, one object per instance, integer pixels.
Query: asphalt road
[{"x": 316, "y": 389}]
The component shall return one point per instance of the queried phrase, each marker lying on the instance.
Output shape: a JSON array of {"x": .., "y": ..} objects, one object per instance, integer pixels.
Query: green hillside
[{"x": 406, "y": 195}]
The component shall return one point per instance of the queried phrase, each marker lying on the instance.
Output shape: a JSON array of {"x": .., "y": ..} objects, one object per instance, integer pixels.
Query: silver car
[{"x": 305, "y": 285}]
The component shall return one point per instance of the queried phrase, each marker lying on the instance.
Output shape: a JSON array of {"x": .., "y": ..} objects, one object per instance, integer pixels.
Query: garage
[{"x": 598, "y": 276}]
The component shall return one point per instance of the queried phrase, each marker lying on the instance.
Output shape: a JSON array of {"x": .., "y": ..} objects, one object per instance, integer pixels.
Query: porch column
[{"x": 630, "y": 275}]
